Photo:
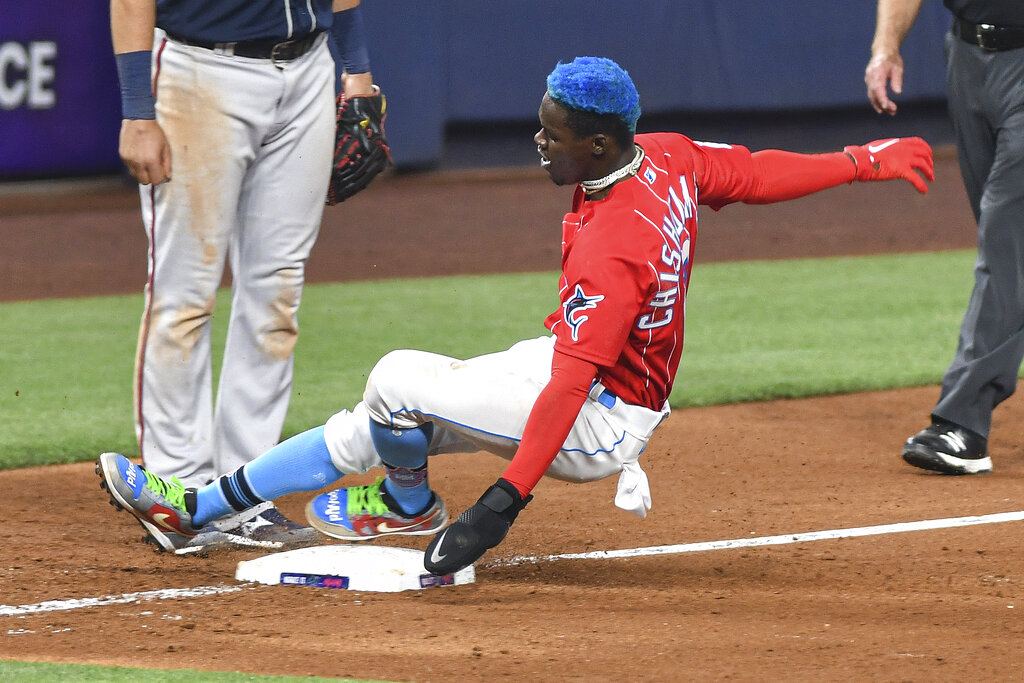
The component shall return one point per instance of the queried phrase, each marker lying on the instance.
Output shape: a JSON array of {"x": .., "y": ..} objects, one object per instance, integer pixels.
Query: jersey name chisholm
[{"x": 674, "y": 257}]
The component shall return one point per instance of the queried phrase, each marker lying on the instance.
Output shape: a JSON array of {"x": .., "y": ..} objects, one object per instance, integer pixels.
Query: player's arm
[
  {"x": 142, "y": 144},
  {"x": 776, "y": 175},
  {"x": 484, "y": 525},
  {"x": 550, "y": 421},
  {"x": 361, "y": 150},
  {"x": 885, "y": 68},
  {"x": 348, "y": 33}
]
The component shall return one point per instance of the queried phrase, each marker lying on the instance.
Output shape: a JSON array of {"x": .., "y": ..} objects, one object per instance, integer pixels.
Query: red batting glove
[{"x": 894, "y": 158}]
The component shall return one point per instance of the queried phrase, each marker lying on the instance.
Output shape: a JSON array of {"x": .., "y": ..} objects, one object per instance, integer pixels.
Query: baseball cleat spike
[
  {"x": 149, "y": 540},
  {"x": 158, "y": 505}
]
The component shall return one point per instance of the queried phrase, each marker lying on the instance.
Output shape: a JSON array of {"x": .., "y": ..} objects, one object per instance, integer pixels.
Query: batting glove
[
  {"x": 894, "y": 158},
  {"x": 476, "y": 530}
]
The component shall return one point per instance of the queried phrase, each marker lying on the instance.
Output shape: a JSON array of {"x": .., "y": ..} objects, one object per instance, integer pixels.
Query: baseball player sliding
[{"x": 578, "y": 404}]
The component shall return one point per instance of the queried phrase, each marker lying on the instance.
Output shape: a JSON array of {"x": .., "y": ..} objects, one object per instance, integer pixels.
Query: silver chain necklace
[{"x": 592, "y": 186}]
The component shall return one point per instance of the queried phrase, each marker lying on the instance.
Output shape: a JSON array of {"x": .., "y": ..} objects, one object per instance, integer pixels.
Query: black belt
[
  {"x": 258, "y": 49},
  {"x": 989, "y": 37}
]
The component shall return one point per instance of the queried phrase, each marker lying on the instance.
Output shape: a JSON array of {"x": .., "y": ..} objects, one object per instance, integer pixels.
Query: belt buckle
[
  {"x": 286, "y": 45},
  {"x": 226, "y": 49},
  {"x": 981, "y": 32}
]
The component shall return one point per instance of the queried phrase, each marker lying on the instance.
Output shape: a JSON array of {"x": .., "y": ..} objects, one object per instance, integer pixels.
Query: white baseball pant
[
  {"x": 251, "y": 152},
  {"x": 483, "y": 404}
]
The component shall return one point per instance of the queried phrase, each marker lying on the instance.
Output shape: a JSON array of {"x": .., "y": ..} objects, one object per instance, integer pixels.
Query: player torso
[
  {"x": 626, "y": 263},
  {"x": 220, "y": 21}
]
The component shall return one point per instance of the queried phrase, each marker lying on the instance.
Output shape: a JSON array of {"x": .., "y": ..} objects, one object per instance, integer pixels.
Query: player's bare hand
[
  {"x": 145, "y": 151},
  {"x": 892, "y": 158},
  {"x": 882, "y": 72},
  {"x": 355, "y": 85}
]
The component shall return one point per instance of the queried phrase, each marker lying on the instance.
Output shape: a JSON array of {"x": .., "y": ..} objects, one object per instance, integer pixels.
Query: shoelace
[
  {"x": 366, "y": 498},
  {"x": 173, "y": 490}
]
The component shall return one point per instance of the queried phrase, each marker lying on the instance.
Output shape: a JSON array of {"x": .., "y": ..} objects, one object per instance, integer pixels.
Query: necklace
[{"x": 592, "y": 186}]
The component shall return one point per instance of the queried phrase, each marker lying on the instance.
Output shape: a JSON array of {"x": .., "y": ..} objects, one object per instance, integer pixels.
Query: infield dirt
[{"x": 928, "y": 605}]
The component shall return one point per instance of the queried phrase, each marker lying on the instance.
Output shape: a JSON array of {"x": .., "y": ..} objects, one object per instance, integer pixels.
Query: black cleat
[{"x": 948, "y": 448}]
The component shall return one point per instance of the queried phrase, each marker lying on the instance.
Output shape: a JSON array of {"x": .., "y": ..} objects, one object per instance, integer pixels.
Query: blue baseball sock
[
  {"x": 301, "y": 463},
  {"x": 404, "y": 453}
]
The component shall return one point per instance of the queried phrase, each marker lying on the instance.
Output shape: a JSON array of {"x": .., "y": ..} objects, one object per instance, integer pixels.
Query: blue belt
[{"x": 607, "y": 399}]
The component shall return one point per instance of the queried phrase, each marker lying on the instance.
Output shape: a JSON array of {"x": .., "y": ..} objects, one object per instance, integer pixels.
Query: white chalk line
[
  {"x": 781, "y": 539},
  {"x": 124, "y": 598}
]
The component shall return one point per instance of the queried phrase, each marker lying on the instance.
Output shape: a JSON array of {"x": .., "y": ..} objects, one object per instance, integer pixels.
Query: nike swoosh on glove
[
  {"x": 894, "y": 158},
  {"x": 476, "y": 530}
]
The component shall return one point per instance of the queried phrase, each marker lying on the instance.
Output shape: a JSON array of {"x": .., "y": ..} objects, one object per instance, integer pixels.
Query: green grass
[
  {"x": 66, "y": 365},
  {"x": 755, "y": 330},
  {"x": 71, "y": 673},
  {"x": 788, "y": 329}
]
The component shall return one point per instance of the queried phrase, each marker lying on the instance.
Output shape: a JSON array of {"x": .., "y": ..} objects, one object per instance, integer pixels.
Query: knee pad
[{"x": 406, "y": 448}]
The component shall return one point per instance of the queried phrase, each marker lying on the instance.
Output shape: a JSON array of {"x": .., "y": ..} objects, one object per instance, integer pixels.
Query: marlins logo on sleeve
[{"x": 574, "y": 307}]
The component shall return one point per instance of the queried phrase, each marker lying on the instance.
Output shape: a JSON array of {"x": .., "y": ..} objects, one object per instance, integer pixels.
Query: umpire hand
[
  {"x": 882, "y": 72},
  {"x": 476, "y": 530}
]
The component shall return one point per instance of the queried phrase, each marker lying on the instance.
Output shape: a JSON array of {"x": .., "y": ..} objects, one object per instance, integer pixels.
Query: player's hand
[
  {"x": 476, "y": 530},
  {"x": 145, "y": 151},
  {"x": 357, "y": 85},
  {"x": 882, "y": 72},
  {"x": 894, "y": 158}
]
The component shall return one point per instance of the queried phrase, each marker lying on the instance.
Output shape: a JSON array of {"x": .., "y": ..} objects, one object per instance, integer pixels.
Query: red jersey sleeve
[
  {"x": 780, "y": 176},
  {"x": 550, "y": 421},
  {"x": 722, "y": 173},
  {"x": 731, "y": 173},
  {"x": 602, "y": 291},
  {"x": 598, "y": 314}
]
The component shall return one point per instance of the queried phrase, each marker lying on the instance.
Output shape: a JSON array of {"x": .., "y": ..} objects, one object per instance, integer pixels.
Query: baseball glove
[{"x": 360, "y": 148}]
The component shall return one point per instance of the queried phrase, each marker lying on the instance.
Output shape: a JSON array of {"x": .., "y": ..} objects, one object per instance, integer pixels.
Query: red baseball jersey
[{"x": 626, "y": 263}]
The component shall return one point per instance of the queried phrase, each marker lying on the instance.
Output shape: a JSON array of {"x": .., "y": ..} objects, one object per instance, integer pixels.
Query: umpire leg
[{"x": 987, "y": 107}]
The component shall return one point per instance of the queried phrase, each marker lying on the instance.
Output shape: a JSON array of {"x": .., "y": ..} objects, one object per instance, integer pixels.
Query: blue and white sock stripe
[{"x": 238, "y": 492}]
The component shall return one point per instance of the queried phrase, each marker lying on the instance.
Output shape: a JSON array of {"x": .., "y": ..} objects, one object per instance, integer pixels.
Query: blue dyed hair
[{"x": 598, "y": 85}]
